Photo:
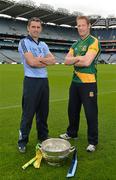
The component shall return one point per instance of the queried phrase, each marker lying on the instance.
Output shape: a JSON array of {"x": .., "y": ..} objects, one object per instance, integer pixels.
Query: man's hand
[
  {"x": 48, "y": 60},
  {"x": 71, "y": 60}
]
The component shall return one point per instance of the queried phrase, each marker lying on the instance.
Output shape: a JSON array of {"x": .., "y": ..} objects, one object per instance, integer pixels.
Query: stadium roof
[{"x": 27, "y": 9}]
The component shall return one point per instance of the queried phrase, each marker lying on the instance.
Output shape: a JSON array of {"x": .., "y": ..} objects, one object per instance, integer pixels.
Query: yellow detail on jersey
[
  {"x": 71, "y": 51},
  {"x": 85, "y": 77},
  {"x": 94, "y": 46}
]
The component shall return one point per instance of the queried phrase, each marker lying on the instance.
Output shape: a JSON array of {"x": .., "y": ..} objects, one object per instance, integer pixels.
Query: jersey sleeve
[
  {"x": 71, "y": 51},
  {"x": 94, "y": 46},
  {"x": 24, "y": 46}
]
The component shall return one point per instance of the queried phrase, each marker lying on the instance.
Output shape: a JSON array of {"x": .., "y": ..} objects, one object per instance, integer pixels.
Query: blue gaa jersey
[{"x": 37, "y": 49}]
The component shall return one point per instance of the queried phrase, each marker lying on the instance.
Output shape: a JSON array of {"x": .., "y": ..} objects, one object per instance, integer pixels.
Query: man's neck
[
  {"x": 84, "y": 37},
  {"x": 35, "y": 39}
]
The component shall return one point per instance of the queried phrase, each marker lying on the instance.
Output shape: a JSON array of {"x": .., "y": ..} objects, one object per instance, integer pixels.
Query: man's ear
[
  {"x": 27, "y": 28},
  {"x": 41, "y": 29},
  {"x": 89, "y": 26}
]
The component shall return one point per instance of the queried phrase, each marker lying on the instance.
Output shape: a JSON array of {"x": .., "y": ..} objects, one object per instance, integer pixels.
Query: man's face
[
  {"x": 34, "y": 29},
  {"x": 83, "y": 28}
]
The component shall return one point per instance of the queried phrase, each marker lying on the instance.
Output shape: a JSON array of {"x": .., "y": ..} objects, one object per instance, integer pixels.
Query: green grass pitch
[{"x": 100, "y": 165}]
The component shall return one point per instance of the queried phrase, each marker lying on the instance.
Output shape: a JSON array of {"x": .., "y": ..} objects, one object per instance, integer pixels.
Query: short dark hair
[
  {"x": 83, "y": 17},
  {"x": 36, "y": 19}
]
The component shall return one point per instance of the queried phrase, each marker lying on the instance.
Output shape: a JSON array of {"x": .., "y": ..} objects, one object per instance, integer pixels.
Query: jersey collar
[
  {"x": 31, "y": 39},
  {"x": 85, "y": 38}
]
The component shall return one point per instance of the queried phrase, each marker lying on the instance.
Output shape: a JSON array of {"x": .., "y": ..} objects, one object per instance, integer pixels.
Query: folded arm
[
  {"x": 48, "y": 60},
  {"x": 80, "y": 61},
  {"x": 86, "y": 60},
  {"x": 39, "y": 61}
]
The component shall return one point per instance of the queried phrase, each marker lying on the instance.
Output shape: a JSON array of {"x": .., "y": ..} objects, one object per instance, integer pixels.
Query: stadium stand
[
  {"x": 60, "y": 56},
  {"x": 58, "y": 37},
  {"x": 10, "y": 55},
  {"x": 104, "y": 33},
  {"x": 112, "y": 59},
  {"x": 12, "y": 26}
]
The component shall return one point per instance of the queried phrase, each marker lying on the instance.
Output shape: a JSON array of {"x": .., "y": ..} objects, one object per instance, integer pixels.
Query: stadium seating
[
  {"x": 58, "y": 38},
  {"x": 10, "y": 26},
  {"x": 9, "y": 56}
]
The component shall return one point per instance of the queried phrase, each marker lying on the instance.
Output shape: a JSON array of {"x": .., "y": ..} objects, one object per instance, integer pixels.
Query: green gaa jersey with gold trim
[{"x": 80, "y": 48}]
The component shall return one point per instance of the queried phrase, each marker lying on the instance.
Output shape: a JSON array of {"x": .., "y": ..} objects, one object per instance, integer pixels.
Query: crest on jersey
[
  {"x": 84, "y": 48},
  {"x": 91, "y": 94}
]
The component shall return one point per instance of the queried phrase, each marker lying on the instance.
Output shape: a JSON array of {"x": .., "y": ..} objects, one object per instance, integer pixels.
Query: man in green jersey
[{"x": 83, "y": 90}]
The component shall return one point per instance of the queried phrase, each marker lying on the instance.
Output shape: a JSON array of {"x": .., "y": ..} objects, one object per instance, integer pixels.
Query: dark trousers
[
  {"x": 86, "y": 94},
  {"x": 35, "y": 101}
]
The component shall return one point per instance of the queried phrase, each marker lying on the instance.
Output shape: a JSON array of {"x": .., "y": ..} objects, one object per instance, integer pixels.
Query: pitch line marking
[
  {"x": 54, "y": 100},
  {"x": 17, "y": 106}
]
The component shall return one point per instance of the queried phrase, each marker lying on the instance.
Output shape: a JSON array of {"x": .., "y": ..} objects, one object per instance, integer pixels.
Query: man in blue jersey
[{"x": 36, "y": 56}]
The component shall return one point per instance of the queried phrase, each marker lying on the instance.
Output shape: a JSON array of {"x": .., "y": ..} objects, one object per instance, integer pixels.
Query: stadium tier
[{"x": 58, "y": 38}]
